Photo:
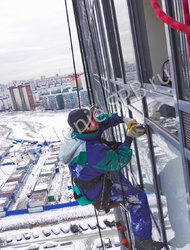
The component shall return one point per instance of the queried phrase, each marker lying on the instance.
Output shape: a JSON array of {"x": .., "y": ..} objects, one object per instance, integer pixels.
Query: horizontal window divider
[
  {"x": 157, "y": 92},
  {"x": 184, "y": 106},
  {"x": 164, "y": 133},
  {"x": 187, "y": 153}
]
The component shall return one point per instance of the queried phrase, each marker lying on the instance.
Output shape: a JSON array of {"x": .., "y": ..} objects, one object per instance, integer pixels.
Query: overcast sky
[{"x": 34, "y": 39}]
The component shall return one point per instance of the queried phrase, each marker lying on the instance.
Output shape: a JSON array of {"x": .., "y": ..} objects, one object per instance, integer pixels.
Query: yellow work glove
[
  {"x": 136, "y": 130},
  {"x": 129, "y": 122}
]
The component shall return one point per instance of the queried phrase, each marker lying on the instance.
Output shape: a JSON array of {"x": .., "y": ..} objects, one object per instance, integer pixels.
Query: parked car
[
  {"x": 34, "y": 247},
  {"x": 101, "y": 226},
  {"x": 116, "y": 241},
  {"x": 107, "y": 243},
  {"x": 50, "y": 244},
  {"x": 56, "y": 231},
  {"x": 109, "y": 223},
  {"x": 92, "y": 225},
  {"x": 99, "y": 245},
  {"x": 27, "y": 236},
  {"x": 65, "y": 229},
  {"x": 35, "y": 235},
  {"x": 74, "y": 228},
  {"x": 83, "y": 226},
  {"x": 9, "y": 239},
  {"x": 29, "y": 194},
  {"x": 46, "y": 232},
  {"x": 19, "y": 237},
  {"x": 68, "y": 243}
]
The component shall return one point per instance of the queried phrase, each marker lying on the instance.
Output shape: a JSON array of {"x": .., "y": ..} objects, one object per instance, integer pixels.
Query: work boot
[{"x": 148, "y": 244}]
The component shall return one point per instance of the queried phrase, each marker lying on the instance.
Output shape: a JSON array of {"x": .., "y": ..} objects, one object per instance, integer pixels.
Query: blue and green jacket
[{"x": 88, "y": 158}]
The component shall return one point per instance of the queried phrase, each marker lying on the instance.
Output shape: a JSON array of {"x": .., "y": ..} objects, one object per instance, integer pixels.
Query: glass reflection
[
  {"x": 147, "y": 175},
  {"x": 184, "y": 53},
  {"x": 126, "y": 39},
  {"x": 162, "y": 111},
  {"x": 173, "y": 193}
]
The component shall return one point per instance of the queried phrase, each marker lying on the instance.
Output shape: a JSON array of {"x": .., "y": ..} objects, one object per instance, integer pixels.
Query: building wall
[
  {"x": 4, "y": 103},
  {"x": 18, "y": 99},
  {"x": 161, "y": 163},
  {"x": 22, "y": 98}
]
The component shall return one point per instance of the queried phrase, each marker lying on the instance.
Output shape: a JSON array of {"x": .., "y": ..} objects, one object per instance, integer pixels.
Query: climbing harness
[
  {"x": 103, "y": 203},
  {"x": 176, "y": 25}
]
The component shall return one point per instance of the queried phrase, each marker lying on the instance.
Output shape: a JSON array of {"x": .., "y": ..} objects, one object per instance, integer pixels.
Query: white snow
[{"x": 40, "y": 126}]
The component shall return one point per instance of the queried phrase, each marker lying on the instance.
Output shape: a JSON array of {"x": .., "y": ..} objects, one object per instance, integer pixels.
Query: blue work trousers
[{"x": 137, "y": 204}]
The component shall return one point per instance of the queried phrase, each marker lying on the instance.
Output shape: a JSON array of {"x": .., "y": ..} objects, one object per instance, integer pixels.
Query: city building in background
[
  {"x": 50, "y": 93},
  {"x": 22, "y": 97}
]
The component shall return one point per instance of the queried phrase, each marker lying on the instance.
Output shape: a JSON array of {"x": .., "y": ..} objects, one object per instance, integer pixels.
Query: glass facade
[
  {"x": 173, "y": 192},
  {"x": 148, "y": 181},
  {"x": 126, "y": 38},
  {"x": 161, "y": 109},
  {"x": 155, "y": 162},
  {"x": 184, "y": 53}
]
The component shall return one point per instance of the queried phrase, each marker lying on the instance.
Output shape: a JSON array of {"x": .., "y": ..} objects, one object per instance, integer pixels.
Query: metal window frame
[{"x": 181, "y": 105}]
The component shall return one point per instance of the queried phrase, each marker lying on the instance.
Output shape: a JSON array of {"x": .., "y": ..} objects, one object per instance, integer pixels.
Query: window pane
[
  {"x": 173, "y": 193},
  {"x": 126, "y": 39},
  {"x": 146, "y": 169},
  {"x": 184, "y": 53},
  {"x": 162, "y": 111}
]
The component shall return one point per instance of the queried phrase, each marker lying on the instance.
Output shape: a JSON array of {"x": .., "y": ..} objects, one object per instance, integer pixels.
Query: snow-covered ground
[
  {"x": 48, "y": 126},
  {"x": 35, "y": 125},
  {"x": 42, "y": 126}
]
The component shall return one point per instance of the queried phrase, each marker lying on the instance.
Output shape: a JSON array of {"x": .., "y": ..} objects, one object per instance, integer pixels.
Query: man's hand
[
  {"x": 136, "y": 130},
  {"x": 129, "y": 122}
]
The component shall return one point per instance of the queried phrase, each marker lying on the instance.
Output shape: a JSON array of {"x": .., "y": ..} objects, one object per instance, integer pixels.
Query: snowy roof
[
  {"x": 8, "y": 184},
  {"x": 38, "y": 199},
  {"x": 38, "y": 196},
  {"x": 41, "y": 187},
  {"x": 44, "y": 179},
  {"x": 24, "y": 162},
  {"x": 3, "y": 201},
  {"x": 52, "y": 157},
  {"x": 16, "y": 176},
  {"x": 51, "y": 161},
  {"x": 7, "y": 189},
  {"x": 43, "y": 183},
  {"x": 46, "y": 172},
  {"x": 48, "y": 167}
]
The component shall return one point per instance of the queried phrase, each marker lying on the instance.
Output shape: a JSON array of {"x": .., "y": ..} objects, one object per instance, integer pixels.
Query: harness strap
[
  {"x": 106, "y": 193},
  {"x": 104, "y": 202},
  {"x": 88, "y": 184}
]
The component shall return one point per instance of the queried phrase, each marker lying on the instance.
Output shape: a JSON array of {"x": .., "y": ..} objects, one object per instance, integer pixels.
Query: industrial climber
[{"x": 95, "y": 166}]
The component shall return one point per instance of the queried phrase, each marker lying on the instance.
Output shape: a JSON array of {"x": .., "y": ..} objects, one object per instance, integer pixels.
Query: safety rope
[
  {"x": 83, "y": 54},
  {"x": 99, "y": 231},
  {"x": 72, "y": 51},
  {"x": 182, "y": 27},
  {"x": 186, "y": 19},
  {"x": 95, "y": 54}
]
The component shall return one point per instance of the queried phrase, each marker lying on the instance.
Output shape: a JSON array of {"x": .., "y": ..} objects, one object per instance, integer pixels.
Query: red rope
[
  {"x": 185, "y": 28},
  {"x": 187, "y": 19}
]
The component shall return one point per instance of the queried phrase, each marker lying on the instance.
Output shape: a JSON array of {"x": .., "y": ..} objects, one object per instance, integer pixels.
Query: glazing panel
[
  {"x": 126, "y": 42},
  {"x": 184, "y": 85},
  {"x": 161, "y": 109},
  {"x": 146, "y": 168},
  {"x": 173, "y": 193}
]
